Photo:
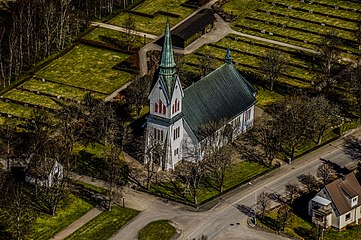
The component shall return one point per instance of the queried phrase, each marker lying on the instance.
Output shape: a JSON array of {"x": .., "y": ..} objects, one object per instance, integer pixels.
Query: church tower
[{"x": 165, "y": 121}]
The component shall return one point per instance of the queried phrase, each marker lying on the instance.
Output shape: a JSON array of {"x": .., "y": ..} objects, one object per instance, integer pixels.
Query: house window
[
  {"x": 176, "y": 133},
  {"x": 248, "y": 114},
  {"x": 176, "y": 152},
  {"x": 348, "y": 216}
]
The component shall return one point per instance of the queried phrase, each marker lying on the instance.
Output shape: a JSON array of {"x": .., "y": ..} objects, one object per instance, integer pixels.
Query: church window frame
[{"x": 176, "y": 133}]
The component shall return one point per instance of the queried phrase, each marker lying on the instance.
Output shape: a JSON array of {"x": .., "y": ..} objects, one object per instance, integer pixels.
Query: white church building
[{"x": 177, "y": 115}]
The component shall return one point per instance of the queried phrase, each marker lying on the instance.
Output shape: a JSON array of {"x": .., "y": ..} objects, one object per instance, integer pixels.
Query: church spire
[
  {"x": 228, "y": 58},
  {"x": 167, "y": 63}
]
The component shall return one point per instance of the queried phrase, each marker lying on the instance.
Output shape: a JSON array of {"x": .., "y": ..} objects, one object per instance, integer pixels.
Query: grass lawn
[
  {"x": 172, "y": 6},
  {"x": 235, "y": 174},
  {"x": 157, "y": 230},
  {"x": 57, "y": 89},
  {"x": 299, "y": 228},
  {"x": 266, "y": 97},
  {"x": 15, "y": 109},
  {"x": 303, "y": 229},
  {"x": 96, "y": 33},
  {"x": 105, "y": 224},
  {"x": 92, "y": 187},
  {"x": 88, "y": 67},
  {"x": 351, "y": 233},
  {"x": 32, "y": 98},
  {"x": 47, "y": 226},
  {"x": 155, "y": 25}
]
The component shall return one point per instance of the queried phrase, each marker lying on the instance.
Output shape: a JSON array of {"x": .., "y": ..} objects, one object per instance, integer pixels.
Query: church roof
[
  {"x": 167, "y": 67},
  {"x": 222, "y": 94}
]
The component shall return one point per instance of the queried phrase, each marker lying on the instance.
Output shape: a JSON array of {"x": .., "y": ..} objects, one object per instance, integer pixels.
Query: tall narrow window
[
  {"x": 178, "y": 106},
  {"x": 176, "y": 133},
  {"x": 155, "y": 133},
  {"x": 155, "y": 107},
  {"x": 164, "y": 109},
  {"x": 173, "y": 109},
  {"x": 248, "y": 115}
]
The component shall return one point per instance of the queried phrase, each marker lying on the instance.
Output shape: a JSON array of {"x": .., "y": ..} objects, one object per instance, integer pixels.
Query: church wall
[{"x": 176, "y": 135}]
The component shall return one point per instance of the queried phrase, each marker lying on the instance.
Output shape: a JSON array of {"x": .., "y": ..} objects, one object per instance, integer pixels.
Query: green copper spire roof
[
  {"x": 167, "y": 67},
  {"x": 167, "y": 63}
]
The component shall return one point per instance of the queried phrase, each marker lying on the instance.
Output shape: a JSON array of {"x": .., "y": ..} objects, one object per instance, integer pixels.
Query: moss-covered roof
[{"x": 222, "y": 94}]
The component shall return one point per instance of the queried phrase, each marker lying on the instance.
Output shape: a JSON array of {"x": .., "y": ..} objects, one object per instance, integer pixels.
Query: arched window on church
[
  {"x": 155, "y": 107},
  {"x": 164, "y": 109},
  {"x": 177, "y": 106}
]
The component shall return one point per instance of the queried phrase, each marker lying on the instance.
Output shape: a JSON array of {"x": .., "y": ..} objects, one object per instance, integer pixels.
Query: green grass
[
  {"x": 157, "y": 230},
  {"x": 304, "y": 229},
  {"x": 88, "y": 67},
  {"x": 172, "y": 6},
  {"x": 92, "y": 187},
  {"x": 32, "y": 98},
  {"x": 15, "y": 109},
  {"x": 103, "y": 226},
  {"x": 235, "y": 174},
  {"x": 96, "y": 33},
  {"x": 266, "y": 97},
  {"x": 351, "y": 233},
  {"x": 154, "y": 25},
  {"x": 57, "y": 89},
  {"x": 47, "y": 226},
  {"x": 299, "y": 228}
]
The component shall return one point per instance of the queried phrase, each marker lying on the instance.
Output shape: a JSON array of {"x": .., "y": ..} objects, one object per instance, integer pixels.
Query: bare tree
[
  {"x": 327, "y": 68},
  {"x": 218, "y": 163},
  {"x": 326, "y": 173},
  {"x": 292, "y": 191},
  {"x": 269, "y": 136},
  {"x": 8, "y": 135},
  {"x": 310, "y": 182},
  {"x": 130, "y": 25},
  {"x": 272, "y": 65},
  {"x": 285, "y": 217},
  {"x": 154, "y": 155},
  {"x": 325, "y": 115},
  {"x": 263, "y": 203},
  {"x": 295, "y": 121},
  {"x": 192, "y": 173},
  {"x": 206, "y": 64},
  {"x": 136, "y": 93}
]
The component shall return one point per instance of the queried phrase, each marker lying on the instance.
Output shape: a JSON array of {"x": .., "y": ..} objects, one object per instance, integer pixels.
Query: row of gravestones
[
  {"x": 49, "y": 94},
  {"x": 291, "y": 38},
  {"x": 302, "y": 19},
  {"x": 344, "y": 40},
  {"x": 311, "y": 11},
  {"x": 332, "y": 6},
  {"x": 8, "y": 100}
]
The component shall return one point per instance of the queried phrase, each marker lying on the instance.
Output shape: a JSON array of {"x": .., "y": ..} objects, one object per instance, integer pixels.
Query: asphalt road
[{"x": 219, "y": 226}]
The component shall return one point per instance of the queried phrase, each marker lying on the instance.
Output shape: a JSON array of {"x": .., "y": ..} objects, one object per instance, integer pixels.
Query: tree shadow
[
  {"x": 305, "y": 233},
  {"x": 340, "y": 171},
  {"x": 353, "y": 147},
  {"x": 248, "y": 211},
  {"x": 92, "y": 197}
]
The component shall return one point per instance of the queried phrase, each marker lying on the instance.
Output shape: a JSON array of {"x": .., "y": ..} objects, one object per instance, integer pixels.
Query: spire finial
[{"x": 228, "y": 58}]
